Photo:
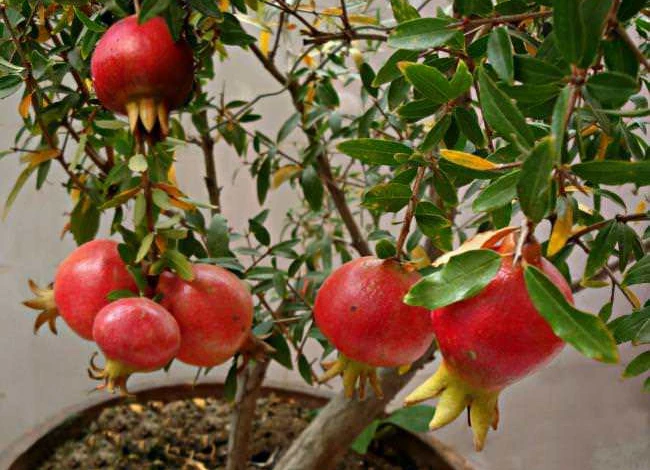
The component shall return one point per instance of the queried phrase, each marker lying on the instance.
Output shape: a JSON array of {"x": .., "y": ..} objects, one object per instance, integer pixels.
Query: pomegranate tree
[
  {"x": 81, "y": 287},
  {"x": 135, "y": 335},
  {"x": 359, "y": 308},
  {"x": 415, "y": 132}
]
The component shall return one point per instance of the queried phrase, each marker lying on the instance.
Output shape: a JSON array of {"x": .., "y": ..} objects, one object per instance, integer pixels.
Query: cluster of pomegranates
[
  {"x": 202, "y": 322},
  {"x": 487, "y": 341}
]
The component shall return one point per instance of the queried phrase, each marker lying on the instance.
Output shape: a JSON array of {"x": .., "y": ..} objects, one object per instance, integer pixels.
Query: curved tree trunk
[{"x": 324, "y": 442}]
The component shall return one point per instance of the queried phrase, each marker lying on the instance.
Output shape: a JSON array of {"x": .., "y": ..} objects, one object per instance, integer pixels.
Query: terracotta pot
[{"x": 36, "y": 446}]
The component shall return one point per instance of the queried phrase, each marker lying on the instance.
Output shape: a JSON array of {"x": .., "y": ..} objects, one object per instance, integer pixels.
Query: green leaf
[
  {"x": 594, "y": 14},
  {"x": 84, "y": 221},
  {"x": 612, "y": 89},
  {"x": 462, "y": 80},
  {"x": 415, "y": 110},
  {"x": 312, "y": 188},
  {"x": 230, "y": 386},
  {"x": 179, "y": 263},
  {"x": 501, "y": 113},
  {"x": 389, "y": 71},
  {"x": 638, "y": 365},
  {"x": 9, "y": 84},
  {"x": 414, "y": 418},
  {"x": 259, "y": 231},
  {"x": 385, "y": 249},
  {"x": 601, "y": 249},
  {"x": 207, "y": 7},
  {"x": 288, "y": 127},
  {"x": 435, "y": 135},
  {"x": 282, "y": 354},
  {"x": 467, "y": 120},
  {"x": 403, "y": 11},
  {"x": 533, "y": 188},
  {"x": 560, "y": 119},
  {"x": 429, "y": 81},
  {"x": 431, "y": 220},
  {"x": 120, "y": 294},
  {"x": 138, "y": 163},
  {"x": 363, "y": 440},
  {"x": 424, "y": 33},
  {"x": 587, "y": 333},
  {"x": 145, "y": 246},
  {"x": 629, "y": 8},
  {"x": 18, "y": 185},
  {"x": 374, "y": 151},
  {"x": 94, "y": 26},
  {"x": 532, "y": 71},
  {"x": 639, "y": 273},
  {"x": 217, "y": 237},
  {"x": 614, "y": 172},
  {"x": 387, "y": 197},
  {"x": 629, "y": 327},
  {"x": 498, "y": 193},
  {"x": 499, "y": 52},
  {"x": 152, "y": 8},
  {"x": 305, "y": 369},
  {"x": 464, "y": 276},
  {"x": 569, "y": 29}
]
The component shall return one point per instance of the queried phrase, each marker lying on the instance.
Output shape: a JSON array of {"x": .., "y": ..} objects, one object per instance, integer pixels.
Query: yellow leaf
[
  {"x": 467, "y": 160},
  {"x": 593, "y": 283},
  {"x": 480, "y": 240},
  {"x": 419, "y": 258},
  {"x": 532, "y": 50},
  {"x": 183, "y": 205},
  {"x": 332, "y": 11},
  {"x": 171, "y": 175},
  {"x": 573, "y": 189},
  {"x": 605, "y": 140},
  {"x": 401, "y": 370},
  {"x": 562, "y": 227},
  {"x": 36, "y": 158},
  {"x": 640, "y": 208},
  {"x": 224, "y": 5},
  {"x": 632, "y": 297},
  {"x": 585, "y": 209},
  {"x": 170, "y": 189},
  {"x": 284, "y": 174},
  {"x": 309, "y": 61},
  {"x": 587, "y": 131},
  {"x": 362, "y": 19},
  {"x": 161, "y": 243},
  {"x": 265, "y": 41},
  {"x": 25, "y": 104},
  {"x": 76, "y": 192}
]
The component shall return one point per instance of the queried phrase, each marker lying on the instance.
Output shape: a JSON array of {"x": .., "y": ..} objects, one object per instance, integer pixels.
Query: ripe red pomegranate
[
  {"x": 359, "y": 308},
  {"x": 214, "y": 312},
  {"x": 139, "y": 70},
  {"x": 135, "y": 335},
  {"x": 488, "y": 342},
  {"x": 82, "y": 282}
]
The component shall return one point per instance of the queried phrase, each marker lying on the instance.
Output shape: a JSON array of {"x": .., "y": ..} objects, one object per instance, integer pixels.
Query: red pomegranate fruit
[
  {"x": 359, "y": 309},
  {"x": 488, "y": 342},
  {"x": 81, "y": 286},
  {"x": 214, "y": 312},
  {"x": 139, "y": 70},
  {"x": 135, "y": 335}
]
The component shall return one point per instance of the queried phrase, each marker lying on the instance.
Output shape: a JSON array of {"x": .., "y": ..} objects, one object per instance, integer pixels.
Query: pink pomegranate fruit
[
  {"x": 139, "y": 70},
  {"x": 135, "y": 335},
  {"x": 359, "y": 309},
  {"x": 214, "y": 312},
  {"x": 81, "y": 286},
  {"x": 488, "y": 342}
]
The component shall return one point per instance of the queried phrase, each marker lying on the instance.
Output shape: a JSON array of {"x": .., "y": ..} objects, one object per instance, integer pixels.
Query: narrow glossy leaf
[
  {"x": 260, "y": 232},
  {"x": 424, "y": 33},
  {"x": 559, "y": 120},
  {"x": 403, "y": 10},
  {"x": 151, "y": 8},
  {"x": 414, "y": 418},
  {"x": 629, "y": 8},
  {"x": 601, "y": 249},
  {"x": 92, "y": 25},
  {"x": 497, "y": 194},
  {"x": 499, "y": 52},
  {"x": 535, "y": 181},
  {"x": 445, "y": 188},
  {"x": 638, "y": 365},
  {"x": 145, "y": 246},
  {"x": 305, "y": 369},
  {"x": 587, "y": 333},
  {"x": 385, "y": 249},
  {"x": 429, "y": 81},
  {"x": 569, "y": 29},
  {"x": 283, "y": 174},
  {"x": 614, "y": 172},
  {"x": 363, "y": 440},
  {"x": 18, "y": 185},
  {"x": 389, "y": 71},
  {"x": 415, "y": 110},
  {"x": 435, "y": 135},
  {"x": 180, "y": 264},
  {"x": 464, "y": 276},
  {"x": 467, "y": 120},
  {"x": 639, "y": 273},
  {"x": 430, "y": 219},
  {"x": 594, "y": 15},
  {"x": 467, "y": 160},
  {"x": 628, "y": 327},
  {"x": 263, "y": 180},
  {"x": 288, "y": 127},
  {"x": 612, "y": 89},
  {"x": 218, "y": 238},
  {"x": 462, "y": 80},
  {"x": 207, "y": 7},
  {"x": 532, "y": 71},
  {"x": 387, "y": 197},
  {"x": 562, "y": 228},
  {"x": 312, "y": 188},
  {"x": 501, "y": 113},
  {"x": 374, "y": 151}
]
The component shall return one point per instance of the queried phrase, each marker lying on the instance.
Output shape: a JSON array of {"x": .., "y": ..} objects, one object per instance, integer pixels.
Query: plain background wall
[{"x": 574, "y": 414}]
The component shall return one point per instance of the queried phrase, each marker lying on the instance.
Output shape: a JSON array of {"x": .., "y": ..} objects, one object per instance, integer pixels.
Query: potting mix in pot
[{"x": 513, "y": 107}]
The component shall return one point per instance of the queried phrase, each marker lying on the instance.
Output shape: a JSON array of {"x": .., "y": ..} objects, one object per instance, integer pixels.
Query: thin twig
[{"x": 410, "y": 210}]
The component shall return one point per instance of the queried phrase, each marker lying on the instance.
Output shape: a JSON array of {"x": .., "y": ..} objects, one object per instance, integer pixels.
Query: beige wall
[{"x": 575, "y": 414}]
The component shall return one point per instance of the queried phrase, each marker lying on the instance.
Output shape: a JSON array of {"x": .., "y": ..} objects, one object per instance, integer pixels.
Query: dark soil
[{"x": 192, "y": 434}]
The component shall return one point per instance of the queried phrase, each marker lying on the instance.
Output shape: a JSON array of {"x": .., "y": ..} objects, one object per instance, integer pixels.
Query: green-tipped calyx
[
  {"x": 354, "y": 374},
  {"x": 44, "y": 301},
  {"x": 456, "y": 395},
  {"x": 114, "y": 374}
]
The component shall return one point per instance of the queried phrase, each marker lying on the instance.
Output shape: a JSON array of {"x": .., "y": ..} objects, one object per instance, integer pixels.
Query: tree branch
[{"x": 410, "y": 211}]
